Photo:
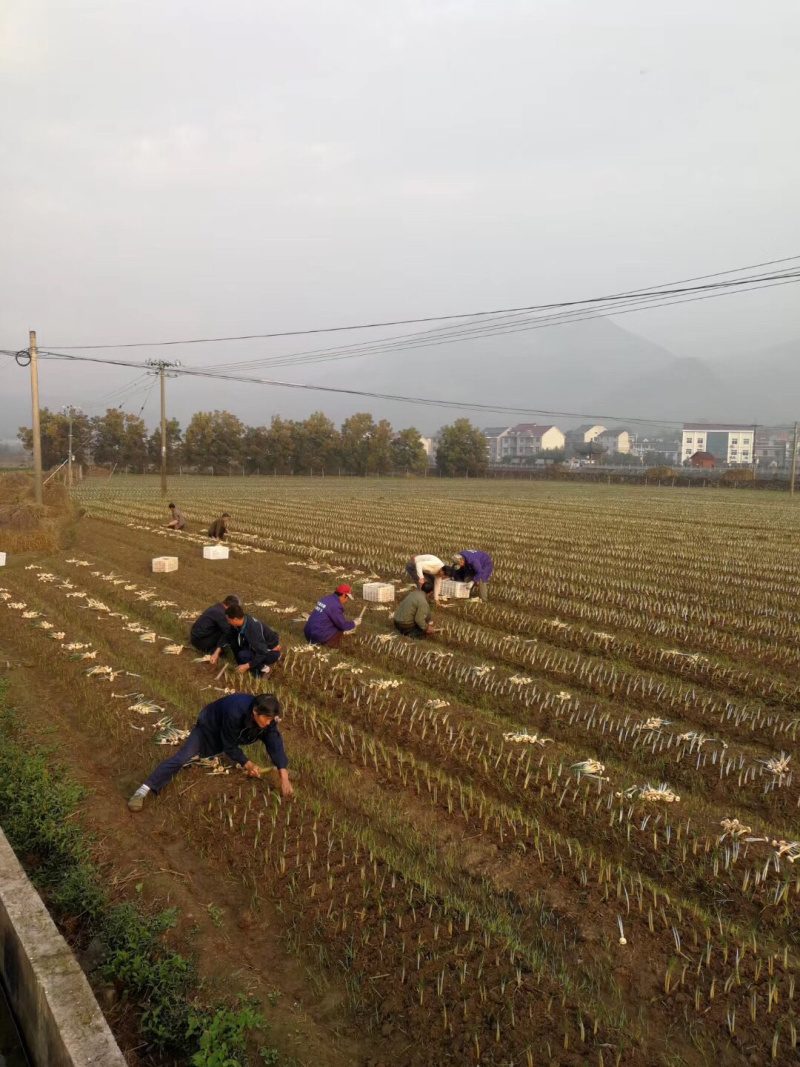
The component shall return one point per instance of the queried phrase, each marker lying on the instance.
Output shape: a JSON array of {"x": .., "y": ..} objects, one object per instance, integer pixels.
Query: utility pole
[
  {"x": 70, "y": 412},
  {"x": 163, "y": 433},
  {"x": 37, "y": 430},
  {"x": 794, "y": 463},
  {"x": 161, "y": 365},
  {"x": 755, "y": 458}
]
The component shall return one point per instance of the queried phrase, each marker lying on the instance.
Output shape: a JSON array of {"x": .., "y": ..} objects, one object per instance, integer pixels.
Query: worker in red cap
[{"x": 327, "y": 621}]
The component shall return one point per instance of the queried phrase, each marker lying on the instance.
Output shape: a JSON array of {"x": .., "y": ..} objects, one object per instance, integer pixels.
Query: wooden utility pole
[
  {"x": 794, "y": 462},
  {"x": 70, "y": 411},
  {"x": 163, "y": 433},
  {"x": 37, "y": 430},
  {"x": 69, "y": 464},
  {"x": 161, "y": 366}
]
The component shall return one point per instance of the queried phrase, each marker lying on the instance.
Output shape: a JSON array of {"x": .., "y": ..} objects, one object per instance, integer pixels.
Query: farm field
[{"x": 564, "y": 831}]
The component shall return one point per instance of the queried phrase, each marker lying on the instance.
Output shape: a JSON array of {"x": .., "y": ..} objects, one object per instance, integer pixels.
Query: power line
[
  {"x": 429, "y": 338},
  {"x": 429, "y": 318},
  {"x": 446, "y": 335},
  {"x": 425, "y": 401}
]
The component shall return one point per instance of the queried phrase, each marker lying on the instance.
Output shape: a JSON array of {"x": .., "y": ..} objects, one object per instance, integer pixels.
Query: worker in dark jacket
[
  {"x": 218, "y": 530},
  {"x": 211, "y": 631},
  {"x": 474, "y": 566},
  {"x": 413, "y": 617},
  {"x": 223, "y": 727},
  {"x": 255, "y": 646},
  {"x": 177, "y": 520},
  {"x": 327, "y": 621}
]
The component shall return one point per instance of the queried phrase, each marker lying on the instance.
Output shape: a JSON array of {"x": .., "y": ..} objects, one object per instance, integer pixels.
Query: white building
[
  {"x": 494, "y": 441},
  {"x": 614, "y": 441},
  {"x": 525, "y": 440},
  {"x": 727, "y": 442}
]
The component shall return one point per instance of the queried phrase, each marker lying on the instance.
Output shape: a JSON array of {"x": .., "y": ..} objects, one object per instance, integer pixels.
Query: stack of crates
[{"x": 378, "y": 592}]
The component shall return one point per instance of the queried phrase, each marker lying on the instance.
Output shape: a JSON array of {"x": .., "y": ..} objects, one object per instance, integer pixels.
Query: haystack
[{"x": 26, "y": 526}]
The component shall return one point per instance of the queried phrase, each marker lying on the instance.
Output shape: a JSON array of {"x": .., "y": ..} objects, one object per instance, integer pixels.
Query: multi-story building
[
  {"x": 495, "y": 436},
  {"x": 523, "y": 441},
  {"x": 774, "y": 448},
  {"x": 614, "y": 441},
  {"x": 726, "y": 442},
  {"x": 585, "y": 433}
]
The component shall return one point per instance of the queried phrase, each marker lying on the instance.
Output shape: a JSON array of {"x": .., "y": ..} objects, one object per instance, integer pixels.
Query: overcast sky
[{"x": 182, "y": 169}]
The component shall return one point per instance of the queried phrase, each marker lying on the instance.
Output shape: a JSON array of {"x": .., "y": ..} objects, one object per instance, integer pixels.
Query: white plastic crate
[
  {"x": 378, "y": 592},
  {"x": 162, "y": 564},
  {"x": 215, "y": 551},
  {"x": 460, "y": 590},
  {"x": 2, "y": 559}
]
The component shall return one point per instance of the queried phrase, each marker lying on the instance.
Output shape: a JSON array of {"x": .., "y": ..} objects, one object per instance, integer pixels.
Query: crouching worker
[
  {"x": 474, "y": 566},
  {"x": 255, "y": 646},
  {"x": 211, "y": 631},
  {"x": 423, "y": 568},
  {"x": 218, "y": 530},
  {"x": 177, "y": 520},
  {"x": 222, "y": 728},
  {"x": 413, "y": 618},
  {"x": 327, "y": 622}
]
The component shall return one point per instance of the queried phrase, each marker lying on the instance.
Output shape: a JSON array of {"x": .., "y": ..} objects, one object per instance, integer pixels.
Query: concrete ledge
[{"x": 48, "y": 992}]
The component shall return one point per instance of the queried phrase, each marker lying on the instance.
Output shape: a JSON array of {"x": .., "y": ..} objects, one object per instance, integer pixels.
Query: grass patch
[{"x": 38, "y": 805}]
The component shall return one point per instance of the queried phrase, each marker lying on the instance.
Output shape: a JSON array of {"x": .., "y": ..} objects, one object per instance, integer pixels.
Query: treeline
[{"x": 219, "y": 442}]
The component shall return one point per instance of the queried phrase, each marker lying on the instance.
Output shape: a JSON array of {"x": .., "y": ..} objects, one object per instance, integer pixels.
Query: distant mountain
[
  {"x": 767, "y": 383},
  {"x": 572, "y": 368},
  {"x": 683, "y": 390},
  {"x": 594, "y": 368}
]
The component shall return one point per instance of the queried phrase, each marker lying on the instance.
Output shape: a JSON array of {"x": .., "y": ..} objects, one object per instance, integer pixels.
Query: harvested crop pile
[{"x": 26, "y": 526}]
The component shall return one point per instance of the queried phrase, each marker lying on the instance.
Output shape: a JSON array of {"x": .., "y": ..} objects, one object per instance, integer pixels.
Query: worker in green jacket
[{"x": 413, "y": 617}]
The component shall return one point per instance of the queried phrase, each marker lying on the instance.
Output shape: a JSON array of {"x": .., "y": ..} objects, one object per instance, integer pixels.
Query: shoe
[
  {"x": 136, "y": 803},
  {"x": 266, "y": 670}
]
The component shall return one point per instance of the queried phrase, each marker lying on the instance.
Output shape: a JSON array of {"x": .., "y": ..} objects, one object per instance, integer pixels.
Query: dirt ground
[
  {"x": 553, "y": 885},
  {"x": 236, "y": 949}
]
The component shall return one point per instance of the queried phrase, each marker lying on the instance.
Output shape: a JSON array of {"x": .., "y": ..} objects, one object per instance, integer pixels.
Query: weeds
[{"x": 37, "y": 809}]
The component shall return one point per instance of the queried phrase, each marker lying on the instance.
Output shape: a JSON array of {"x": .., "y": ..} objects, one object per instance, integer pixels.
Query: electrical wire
[
  {"x": 424, "y": 401},
  {"x": 502, "y": 326},
  {"x": 506, "y": 325},
  {"x": 665, "y": 287},
  {"x": 500, "y": 322},
  {"x": 120, "y": 394}
]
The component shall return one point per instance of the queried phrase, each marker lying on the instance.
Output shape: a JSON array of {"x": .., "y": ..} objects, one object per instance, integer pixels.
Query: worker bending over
[
  {"x": 255, "y": 646},
  {"x": 177, "y": 520},
  {"x": 222, "y": 728},
  {"x": 413, "y": 617},
  {"x": 422, "y": 568},
  {"x": 474, "y": 566},
  {"x": 327, "y": 622},
  {"x": 218, "y": 530},
  {"x": 211, "y": 631}
]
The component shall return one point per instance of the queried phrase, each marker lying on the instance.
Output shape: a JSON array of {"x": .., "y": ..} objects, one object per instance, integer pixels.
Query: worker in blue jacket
[
  {"x": 327, "y": 622},
  {"x": 474, "y": 566},
  {"x": 223, "y": 727},
  {"x": 255, "y": 645}
]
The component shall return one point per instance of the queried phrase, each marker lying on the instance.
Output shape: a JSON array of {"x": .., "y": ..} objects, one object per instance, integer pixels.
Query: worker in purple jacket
[
  {"x": 474, "y": 566},
  {"x": 327, "y": 622}
]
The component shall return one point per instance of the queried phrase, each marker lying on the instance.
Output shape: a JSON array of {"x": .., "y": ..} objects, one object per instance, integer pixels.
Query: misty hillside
[
  {"x": 593, "y": 367},
  {"x": 569, "y": 368}
]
